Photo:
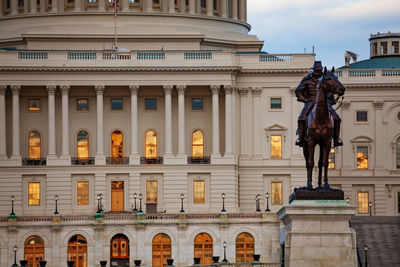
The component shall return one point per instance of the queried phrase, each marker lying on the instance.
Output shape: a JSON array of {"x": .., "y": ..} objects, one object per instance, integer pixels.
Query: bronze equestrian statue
[{"x": 320, "y": 121}]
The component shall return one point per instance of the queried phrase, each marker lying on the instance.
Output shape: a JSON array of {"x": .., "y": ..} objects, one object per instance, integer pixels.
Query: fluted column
[
  {"x": 78, "y": 5},
  {"x": 33, "y": 6},
  {"x": 61, "y": 6},
  {"x": 102, "y": 5},
  {"x": 26, "y": 7},
  {"x": 244, "y": 123},
  {"x": 171, "y": 6},
  {"x": 148, "y": 5},
  {"x": 65, "y": 122},
  {"x": 168, "y": 120},
  {"x": 54, "y": 6},
  {"x": 42, "y": 6},
  {"x": 125, "y": 5},
  {"x": 223, "y": 8},
  {"x": 242, "y": 10},
  {"x": 256, "y": 123},
  {"x": 134, "y": 157},
  {"x": 15, "y": 154},
  {"x": 192, "y": 7},
  {"x": 181, "y": 121},
  {"x": 210, "y": 7},
  {"x": 379, "y": 144},
  {"x": 228, "y": 122},
  {"x": 100, "y": 157},
  {"x": 215, "y": 120},
  {"x": 235, "y": 9},
  {"x": 14, "y": 7},
  {"x": 51, "y": 91},
  {"x": 3, "y": 139}
]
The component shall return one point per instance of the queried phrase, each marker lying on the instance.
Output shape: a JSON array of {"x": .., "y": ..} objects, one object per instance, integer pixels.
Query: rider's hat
[{"x": 317, "y": 65}]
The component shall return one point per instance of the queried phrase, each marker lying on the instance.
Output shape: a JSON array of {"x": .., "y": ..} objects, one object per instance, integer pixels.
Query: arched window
[
  {"x": 119, "y": 250},
  {"x": 150, "y": 144},
  {"x": 34, "y": 150},
  {"x": 244, "y": 247},
  {"x": 398, "y": 153},
  {"x": 34, "y": 250},
  {"x": 161, "y": 250},
  {"x": 77, "y": 251},
  {"x": 83, "y": 145},
  {"x": 117, "y": 145},
  {"x": 203, "y": 248},
  {"x": 198, "y": 144}
]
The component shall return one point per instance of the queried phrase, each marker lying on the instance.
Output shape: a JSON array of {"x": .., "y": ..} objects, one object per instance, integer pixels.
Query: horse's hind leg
[
  {"x": 310, "y": 163},
  {"x": 327, "y": 150},
  {"x": 321, "y": 157}
]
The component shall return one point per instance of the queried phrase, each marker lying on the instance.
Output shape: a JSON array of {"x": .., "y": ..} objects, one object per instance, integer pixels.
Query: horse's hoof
[
  {"x": 327, "y": 186},
  {"x": 309, "y": 186}
]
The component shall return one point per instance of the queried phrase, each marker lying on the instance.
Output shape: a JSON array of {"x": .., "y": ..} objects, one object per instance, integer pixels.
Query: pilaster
[
  {"x": 244, "y": 123},
  {"x": 134, "y": 158},
  {"x": 215, "y": 155},
  {"x": 51, "y": 155},
  {"x": 168, "y": 124},
  {"x": 15, "y": 159},
  {"x": 257, "y": 123},
  {"x": 379, "y": 146},
  {"x": 181, "y": 156},
  {"x": 3, "y": 153},
  {"x": 65, "y": 158},
  {"x": 100, "y": 157}
]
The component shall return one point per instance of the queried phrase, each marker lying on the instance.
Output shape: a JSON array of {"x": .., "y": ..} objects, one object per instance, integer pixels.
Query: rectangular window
[
  {"x": 203, "y": 3},
  {"x": 34, "y": 194},
  {"x": 151, "y": 191},
  {"x": 34, "y": 104},
  {"x": 276, "y": 103},
  {"x": 362, "y": 200},
  {"x": 331, "y": 159},
  {"x": 383, "y": 48},
  {"x": 276, "y": 193},
  {"x": 276, "y": 146},
  {"x": 362, "y": 157},
  {"x": 374, "y": 49},
  {"x": 150, "y": 104},
  {"x": 395, "y": 47},
  {"x": 362, "y": 116},
  {"x": 82, "y": 104},
  {"x": 82, "y": 193},
  {"x": 197, "y": 104},
  {"x": 116, "y": 104},
  {"x": 199, "y": 194}
]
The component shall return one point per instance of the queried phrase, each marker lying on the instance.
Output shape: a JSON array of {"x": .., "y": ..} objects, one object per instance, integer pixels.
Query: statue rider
[{"x": 306, "y": 92}]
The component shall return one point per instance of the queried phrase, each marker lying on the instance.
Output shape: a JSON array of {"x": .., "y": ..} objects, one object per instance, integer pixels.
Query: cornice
[
  {"x": 274, "y": 71},
  {"x": 372, "y": 85}
]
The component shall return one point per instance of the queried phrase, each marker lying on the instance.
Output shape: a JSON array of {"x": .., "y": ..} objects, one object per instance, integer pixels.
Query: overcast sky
[{"x": 289, "y": 26}]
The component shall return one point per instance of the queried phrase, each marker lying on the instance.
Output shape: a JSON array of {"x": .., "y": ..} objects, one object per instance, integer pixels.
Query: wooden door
[
  {"x": 161, "y": 250},
  {"x": 119, "y": 251},
  {"x": 117, "y": 196},
  {"x": 203, "y": 248}
]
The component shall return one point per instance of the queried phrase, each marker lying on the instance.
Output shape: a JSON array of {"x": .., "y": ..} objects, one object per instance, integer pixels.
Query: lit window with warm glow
[
  {"x": 197, "y": 144},
  {"x": 362, "y": 157},
  {"x": 151, "y": 191},
  {"x": 199, "y": 194},
  {"x": 83, "y": 145},
  {"x": 276, "y": 193},
  {"x": 331, "y": 159},
  {"x": 117, "y": 146},
  {"x": 34, "y": 150},
  {"x": 151, "y": 144},
  {"x": 77, "y": 251},
  {"x": 82, "y": 193},
  {"x": 363, "y": 200},
  {"x": 276, "y": 146},
  {"x": 34, "y": 194}
]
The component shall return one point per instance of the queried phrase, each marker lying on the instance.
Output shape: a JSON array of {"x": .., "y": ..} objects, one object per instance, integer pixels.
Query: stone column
[
  {"x": 26, "y": 7},
  {"x": 235, "y": 9},
  {"x": 215, "y": 121},
  {"x": 125, "y": 5},
  {"x": 14, "y": 7},
  {"x": 148, "y": 5},
  {"x": 223, "y": 8},
  {"x": 65, "y": 124},
  {"x": 3, "y": 146},
  {"x": 171, "y": 6},
  {"x": 168, "y": 121},
  {"x": 134, "y": 157},
  {"x": 100, "y": 157},
  {"x": 379, "y": 160},
  {"x": 181, "y": 121},
  {"x": 15, "y": 89},
  {"x": 244, "y": 123},
  {"x": 242, "y": 10},
  {"x": 192, "y": 7},
  {"x": 51, "y": 91},
  {"x": 102, "y": 5},
  {"x": 43, "y": 6},
  {"x": 228, "y": 122},
  {"x": 54, "y": 6},
  {"x": 78, "y": 5},
  {"x": 61, "y": 6},
  {"x": 210, "y": 7},
  {"x": 33, "y": 6},
  {"x": 256, "y": 123}
]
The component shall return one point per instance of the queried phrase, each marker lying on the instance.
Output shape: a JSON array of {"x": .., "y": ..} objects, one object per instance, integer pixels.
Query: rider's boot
[
  {"x": 299, "y": 141},
  {"x": 336, "y": 132}
]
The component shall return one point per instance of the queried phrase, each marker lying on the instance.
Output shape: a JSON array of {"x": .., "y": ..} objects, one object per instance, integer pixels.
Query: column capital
[
  {"x": 99, "y": 89},
  {"x": 65, "y": 89},
  {"x": 214, "y": 89},
  {"x": 228, "y": 89},
  {"x": 15, "y": 89},
  {"x": 378, "y": 104},
  {"x": 256, "y": 91},
  {"x": 3, "y": 89},
  {"x": 168, "y": 89},
  {"x": 51, "y": 89},
  {"x": 181, "y": 89},
  {"x": 345, "y": 105},
  {"x": 134, "y": 89},
  {"x": 243, "y": 91}
]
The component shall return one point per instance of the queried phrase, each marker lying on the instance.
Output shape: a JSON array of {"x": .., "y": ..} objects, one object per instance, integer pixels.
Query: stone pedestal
[{"x": 317, "y": 233}]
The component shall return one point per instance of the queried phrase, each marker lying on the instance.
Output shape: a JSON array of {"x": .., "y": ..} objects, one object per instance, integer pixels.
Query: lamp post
[
  {"x": 140, "y": 202},
  {"x": 56, "y": 200},
  {"x": 366, "y": 255},
  {"x": 12, "y": 206},
  {"x": 182, "y": 196},
  {"x": 223, "y": 202},
  {"x": 99, "y": 197},
  {"x": 224, "y": 244},
  {"x": 370, "y": 208},
  {"x": 135, "y": 197},
  {"x": 15, "y": 256},
  {"x": 267, "y": 197},
  {"x": 258, "y": 197}
]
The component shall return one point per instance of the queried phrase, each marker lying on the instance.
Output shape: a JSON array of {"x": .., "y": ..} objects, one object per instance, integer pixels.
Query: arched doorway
[
  {"x": 119, "y": 252},
  {"x": 77, "y": 250},
  {"x": 244, "y": 247},
  {"x": 203, "y": 248},
  {"x": 161, "y": 250},
  {"x": 34, "y": 251}
]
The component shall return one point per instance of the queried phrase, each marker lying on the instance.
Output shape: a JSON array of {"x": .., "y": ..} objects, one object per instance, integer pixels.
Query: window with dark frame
[
  {"x": 276, "y": 103},
  {"x": 116, "y": 104},
  {"x": 362, "y": 157},
  {"x": 82, "y": 104},
  {"x": 395, "y": 47},
  {"x": 150, "y": 104},
  {"x": 82, "y": 193},
  {"x": 363, "y": 201},
  {"x": 383, "y": 48},
  {"x": 34, "y": 104},
  {"x": 374, "y": 49},
  {"x": 362, "y": 116},
  {"x": 197, "y": 104}
]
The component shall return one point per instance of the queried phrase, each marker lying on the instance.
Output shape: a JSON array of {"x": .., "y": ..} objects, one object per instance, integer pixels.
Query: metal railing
[
  {"x": 204, "y": 160},
  {"x": 82, "y": 55},
  {"x": 150, "y": 55},
  {"x": 198, "y": 55},
  {"x": 275, "y": 58},
  {"x": 82, "y": 161},
  {"x": 32, "y": 55},
  {"x": 112, "y": 161},
  {"x": 158, "y": 160},
  {"x": 33, "y": 162}
]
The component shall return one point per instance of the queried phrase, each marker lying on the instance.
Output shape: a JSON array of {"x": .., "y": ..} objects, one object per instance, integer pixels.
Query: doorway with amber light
[
  {"x": 119, "y": 251},
  {"x": 117, "y": 196}
]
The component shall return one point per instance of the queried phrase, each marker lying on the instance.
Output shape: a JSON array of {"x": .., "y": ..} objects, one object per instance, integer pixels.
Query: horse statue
[{"x": 320, "y": 127}]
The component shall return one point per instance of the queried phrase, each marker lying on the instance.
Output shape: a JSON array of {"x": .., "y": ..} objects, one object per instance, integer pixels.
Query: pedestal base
[{"x": 317, "y": 233}]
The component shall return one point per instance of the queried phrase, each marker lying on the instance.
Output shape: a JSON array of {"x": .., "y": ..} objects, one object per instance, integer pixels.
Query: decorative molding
[
  {"x": 228, "y": 89},
  {"x": 134, "y": 89},
  {"x": 99, "y": 89},
  {"x": 214, "y": 89},
  {"x": 278, "y": 129},
  {"x": 292, "y": 91},
  {"x": 15, "y": 89},
  {"x": 345, "y": 105},
  {"x": 168, "y": 89},
  {"x": 378, "y": 104},
  {"x": 362, "y": 140},
  {"x": 181, "y": 89},
  {"x": 243, "y": 91},
  {"x": 3, "y": 89},
  {"x": 65, "y": 89},
  {"x": 274, "y": 71},
  {"x": 257, "y": 91},
  {"x": 51, "y": 89}
]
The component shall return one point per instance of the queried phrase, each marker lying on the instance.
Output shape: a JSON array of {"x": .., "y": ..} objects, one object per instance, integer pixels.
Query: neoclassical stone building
[{"x": 187, "y": 110}]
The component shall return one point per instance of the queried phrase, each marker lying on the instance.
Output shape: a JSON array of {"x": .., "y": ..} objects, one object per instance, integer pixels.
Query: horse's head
[{"x": 330, "y": 83}]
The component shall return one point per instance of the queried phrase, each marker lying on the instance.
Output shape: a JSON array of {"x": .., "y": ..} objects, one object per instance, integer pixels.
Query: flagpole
[{"x": 115, "y": 25}]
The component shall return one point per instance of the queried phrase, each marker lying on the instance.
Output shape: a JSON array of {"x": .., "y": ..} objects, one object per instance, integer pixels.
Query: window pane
[
  {"x": 117, "y": 148},
  {"x": 276, "y": 146},
  {"x": 197, "y": 144},
  {"x": 362, "y": 157},
  {"x": 332, "y": 158},
  {"x": 151, "y": 191},
  {"x": 199, "y": 194},
  {"x": 116, "y": 104},
  {"x": 276, "y": 103},
  {"x": 151, "y": 144},
  {"x": 82, "y": 193},
  {"x": 276, "y": 193},
  {"x": 34, "y": 104},
  {"x": 34, "y": 149},
  {"x": 197, "y": 103},
  {"x": 33, "y": 194},
  {"x": 83, "y": 145},
  {"x": 383, "y": 48},
  {"x": 362, "y": 116},
  {"x": 363, "y": 199},
  {"x": 150, "y": 104},
  {"x": 82, "y": 104}
]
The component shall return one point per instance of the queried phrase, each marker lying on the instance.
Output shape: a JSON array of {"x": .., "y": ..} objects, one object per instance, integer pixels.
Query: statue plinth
[{"x": 303, "y": 193}]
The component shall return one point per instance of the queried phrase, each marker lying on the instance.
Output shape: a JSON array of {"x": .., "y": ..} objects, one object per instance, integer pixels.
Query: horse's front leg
[
  {"x": 310, "y": 163},
  {"x": 321, "y": 157},
  {"x": 327, "y": 150}
]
